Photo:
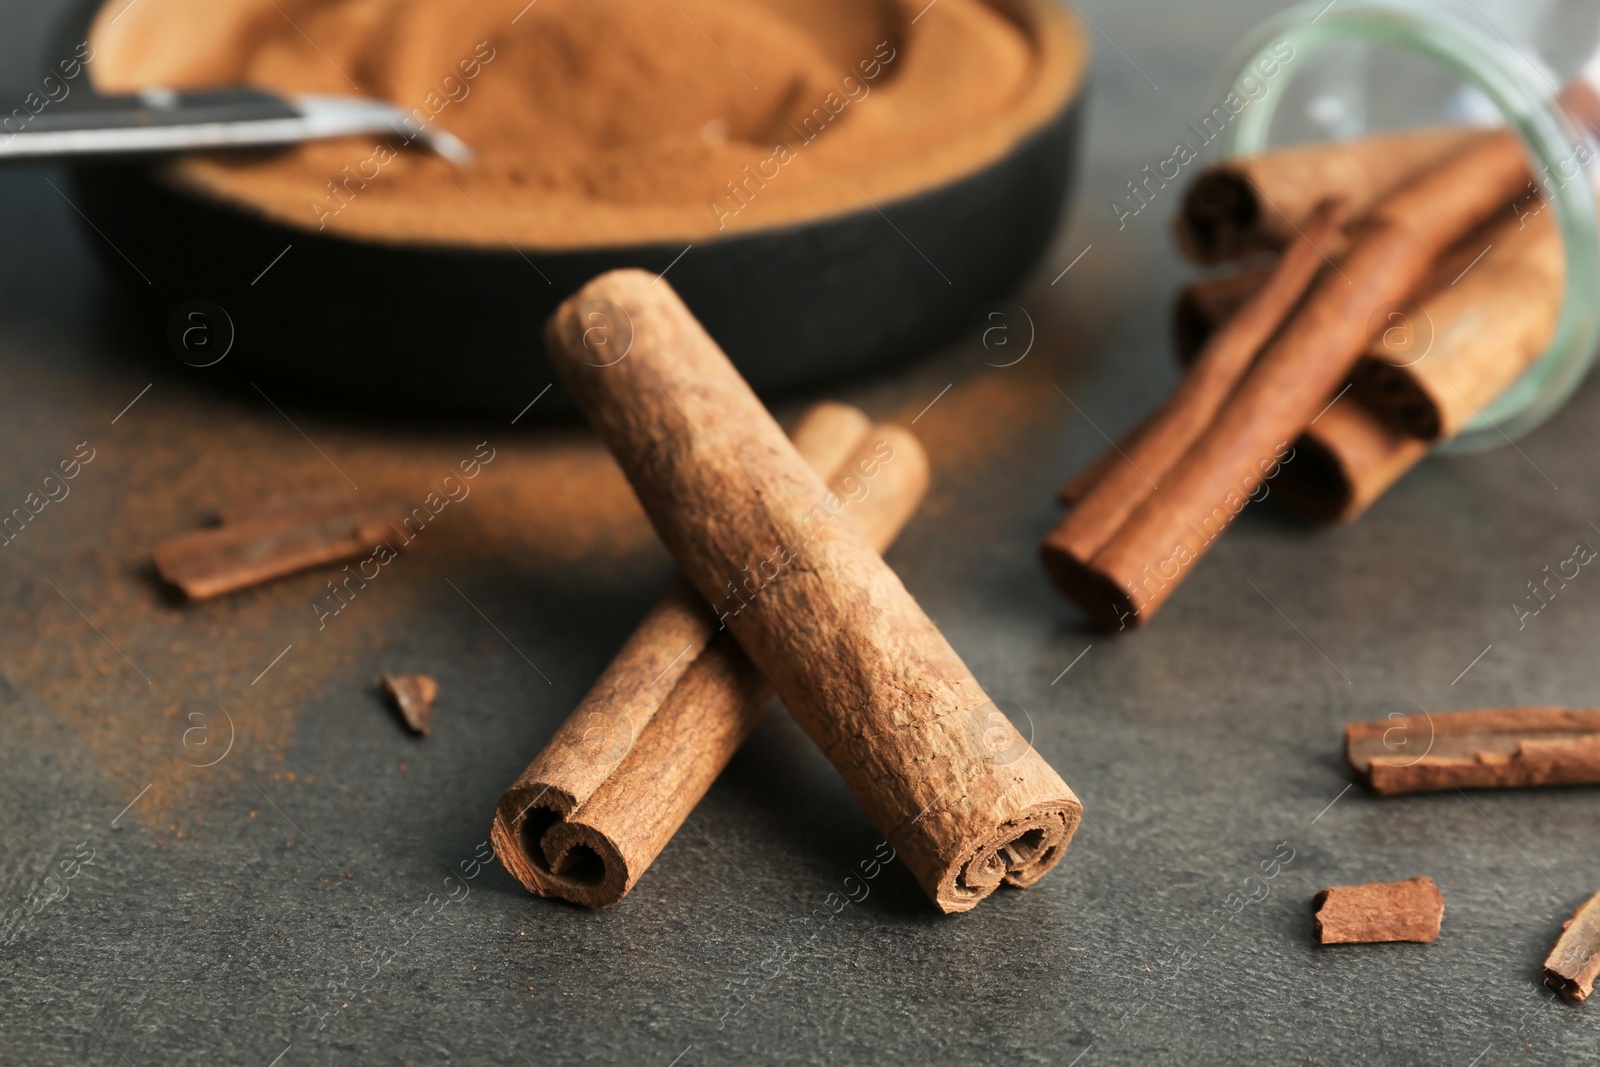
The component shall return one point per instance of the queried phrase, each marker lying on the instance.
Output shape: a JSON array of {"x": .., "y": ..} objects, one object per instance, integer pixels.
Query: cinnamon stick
[
  {"x": 1574, "y": 962},
  {"x": 1169, "y": 432},
  {"x": 674, "y": 633},
  {"x": 279, "y": 539},
  {"x": 1254, "y": 204},
  {"x": 1343, "y": 462},
  {"x": 963, "y": 799},
  {"x": 1487, "y": 328},
  {"x": 1379, "y": 911},
  {"x": 1205, "y": 304},
  {"x": 1348, "y": 457},
  {"x": 592, "y": 852},
  {"x": 1494, "y": 749},
  {"x": 666, "y": 643},
  {"x": 1136, "y": 572}
]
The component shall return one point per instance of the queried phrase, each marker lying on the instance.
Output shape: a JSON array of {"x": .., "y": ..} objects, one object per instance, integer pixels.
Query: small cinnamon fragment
[
  {"x": 1501, "y": 748},
  {"x": 964, "y": 800},
  {"x": 1574, "y": 962},
  {"x": 1253, "y": 204},
  {"x": 1379, "y": 911},
  {"x": 278, "y": 539},
  {"x": 413, "y": 696},
  {"x": 1168, "y": 433}
]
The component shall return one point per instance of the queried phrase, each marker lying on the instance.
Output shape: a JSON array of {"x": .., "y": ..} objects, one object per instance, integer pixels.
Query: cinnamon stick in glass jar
[
  {"x": 1137, "y": 571},
  {"x": 1168, "y": 432},
  {"x": 1343, "y": 462},
  {"x": 1488, "y": 318},
  {"x": 964, "y": 800},
  {"x": 1255, "y": 204}
]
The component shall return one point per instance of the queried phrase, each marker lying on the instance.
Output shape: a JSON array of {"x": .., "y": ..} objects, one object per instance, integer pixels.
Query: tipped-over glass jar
[{"x": 1367, "y": 66}]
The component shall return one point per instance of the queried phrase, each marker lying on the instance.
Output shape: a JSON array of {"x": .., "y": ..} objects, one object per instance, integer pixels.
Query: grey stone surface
[{"x": 231, "y": 910}]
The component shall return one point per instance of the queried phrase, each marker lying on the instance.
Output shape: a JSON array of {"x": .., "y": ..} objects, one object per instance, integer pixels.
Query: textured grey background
[{"x": 210, "y": 925}]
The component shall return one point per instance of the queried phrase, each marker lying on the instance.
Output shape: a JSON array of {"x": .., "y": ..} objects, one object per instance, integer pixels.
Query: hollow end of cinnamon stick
[
  {"x": 1106, "y": 603},
  {"x": 1321, "y": 489},
  {"x": 1220, "y": 218},
  {"x": 551, "y": 856},
  {"x": 1344, "y": 462},
  {"x": 1017, "y": 853},
  {"x": 1397, "y": 398}
]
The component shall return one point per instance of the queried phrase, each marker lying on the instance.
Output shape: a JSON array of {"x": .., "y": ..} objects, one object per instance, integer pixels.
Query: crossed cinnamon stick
[{"x": 965, "y": 801}]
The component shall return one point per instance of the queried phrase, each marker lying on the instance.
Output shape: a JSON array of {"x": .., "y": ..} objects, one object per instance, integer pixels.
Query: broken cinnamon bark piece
[
  {"x": 1574, "y": 963},
  {"x": 1498, "y": 748},
  {"x": 413, "y": 695},
  {"x": 278, "y": 539},
  {"x": 1380, "y": 911}
]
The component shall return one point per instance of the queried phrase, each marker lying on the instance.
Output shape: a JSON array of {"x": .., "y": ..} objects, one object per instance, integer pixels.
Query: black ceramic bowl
[{"x": 456, "y": 329}]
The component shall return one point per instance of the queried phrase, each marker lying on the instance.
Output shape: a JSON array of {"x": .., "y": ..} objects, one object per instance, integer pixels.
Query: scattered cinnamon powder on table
[{"x": 609, "y": 121}]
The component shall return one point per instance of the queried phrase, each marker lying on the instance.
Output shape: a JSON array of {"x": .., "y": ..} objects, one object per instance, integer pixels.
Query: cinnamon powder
[{"x": 609, "y": 121}]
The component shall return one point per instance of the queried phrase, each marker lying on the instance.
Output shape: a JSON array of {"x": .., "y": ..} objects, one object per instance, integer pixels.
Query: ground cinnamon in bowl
[{"x": 610, "y": 122}]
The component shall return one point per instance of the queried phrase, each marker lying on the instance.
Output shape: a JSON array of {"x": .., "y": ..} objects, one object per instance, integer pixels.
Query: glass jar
[{"x": 1466, "y": 74}]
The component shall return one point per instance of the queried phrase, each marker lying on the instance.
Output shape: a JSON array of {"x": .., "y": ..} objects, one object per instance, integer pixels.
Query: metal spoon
[{"x": 159, "y": 121}]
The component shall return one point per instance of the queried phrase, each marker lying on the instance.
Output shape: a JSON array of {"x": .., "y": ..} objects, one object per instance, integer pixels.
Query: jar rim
[{"x": 1529, "y": 109}]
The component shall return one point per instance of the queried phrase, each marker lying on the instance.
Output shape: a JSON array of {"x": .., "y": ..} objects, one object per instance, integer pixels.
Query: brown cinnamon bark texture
[
  {"x": 672, "y": 635},
  {"x": 1344, "y": 461},
  {"x": 1485, "y": 325},
  {"x": 279, "y": 539},
  {"x": 413, "y": 696},
  {"x": 1254, "y": 204},
  {"x": 1494, "y": 749},
  {"x": 1574, "y": 963},
  {"x": 1381, "y": 911},
  {"x": 1247, "y": 443},
  {"x": 605, "y": 736},
  {"x": 1169, "y": 432},
  {"x": 595, "y": 852},
  {"x": 963, "y": 799}
]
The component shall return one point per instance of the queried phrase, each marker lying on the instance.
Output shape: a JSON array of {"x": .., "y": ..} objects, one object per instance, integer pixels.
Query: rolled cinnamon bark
[
  {"x": 1574, "y": 962},
  {"x": 1486, "y": 330},
  {"x": 1202, "y": 307},
  {"x": 1169, "y": 432},
  {"x": 1343, "y": 462},
  {"x": 593, "y": 853},
  {"x": 1254, "y": 204},
  {"x": 1500, "y": 748},
  {"x": 963, "y": 799},
  {"x": 1134, "y": 574},
  {"x": 1347, "y": 458},
  {"x": 672, "y": 635}
]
